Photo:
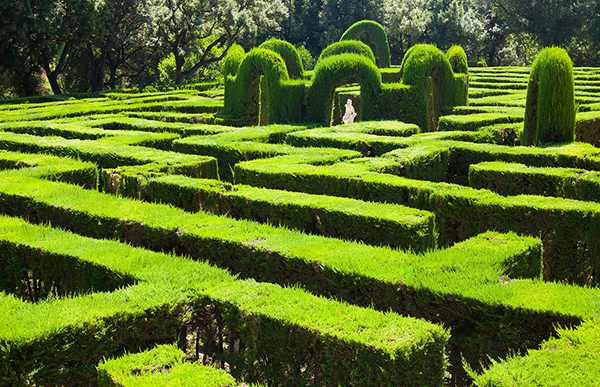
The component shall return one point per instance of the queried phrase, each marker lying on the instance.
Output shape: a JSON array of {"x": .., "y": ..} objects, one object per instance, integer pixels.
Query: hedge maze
[{"x": 143, "y": 241}]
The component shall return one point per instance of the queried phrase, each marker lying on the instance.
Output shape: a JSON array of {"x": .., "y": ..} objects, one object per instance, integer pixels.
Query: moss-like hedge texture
[
  {"x": 347, "y": 47},
  {"x": 262, "y": 92},
  {"x": 289, "y": 54},
  {"x": 376, "y": 34},
  {"x": 458, "y": 60},
  {"x": 550, "y": 110}
]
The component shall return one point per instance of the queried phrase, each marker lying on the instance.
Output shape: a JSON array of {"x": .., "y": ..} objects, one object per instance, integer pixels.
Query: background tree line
[{"x": 92, "y": 45}]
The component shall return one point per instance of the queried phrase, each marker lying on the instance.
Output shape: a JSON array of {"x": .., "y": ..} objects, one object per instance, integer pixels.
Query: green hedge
[
  {"x": 162, "y": 365},
  {"x": 571, "y": 359},
  {"x": 372, "y": 223},
  {"x": 281, "y": 100},
  {"x": 333, "y": 267},
  {"x": 519, "y": 179},
  {"x": 177, "y": 296},
  {"x": 374, "y": 33},
  {"x": 458, "y": 60},
  {"x": 335, "y": 71},
  {"x": 289, "y": 54},
  {"x": 461, "y": 212},
  {"x": 550, "y": 111},
  {"x": 275, "y": 99},
  {"x": 242, "y": 144},
  {"x": 346, "y": 47},
  {"x": 428, "y": 70},
  {"x": 110, "y": 154},
  {"x": 84, "y": 174},
  {"x": 180, "y": 101}
]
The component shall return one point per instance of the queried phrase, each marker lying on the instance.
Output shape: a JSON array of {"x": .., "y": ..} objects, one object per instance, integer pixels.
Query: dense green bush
[
  {"x": 376, "y": 34},
  {"x": 233, "y": 60},
  {"x": 248, "y": 89},
  {"x": 550, "y": 110}
]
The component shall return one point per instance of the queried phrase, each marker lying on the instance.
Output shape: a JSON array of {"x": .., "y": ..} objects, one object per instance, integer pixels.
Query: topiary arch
[
  {"x": 347, "y": 47},
  {"x": 376, "y": 34},
  {"x": 428, "y": 70},
  {"x": 249, "y": 91},
  {"x": 289, "y": 54},
  {"x": 336, "y": 71}
]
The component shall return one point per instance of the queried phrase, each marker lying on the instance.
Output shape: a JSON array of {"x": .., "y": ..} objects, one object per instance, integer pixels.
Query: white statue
[{"x": 350, "y": 113}]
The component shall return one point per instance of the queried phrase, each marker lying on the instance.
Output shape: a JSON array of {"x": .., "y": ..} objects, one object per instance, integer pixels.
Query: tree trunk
[
  {"x": 52, "y": 78},
  {"x": 179, "y": 62}
]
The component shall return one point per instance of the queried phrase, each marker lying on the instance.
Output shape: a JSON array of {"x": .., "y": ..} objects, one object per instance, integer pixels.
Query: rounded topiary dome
[{"x": 458, "y": 60}]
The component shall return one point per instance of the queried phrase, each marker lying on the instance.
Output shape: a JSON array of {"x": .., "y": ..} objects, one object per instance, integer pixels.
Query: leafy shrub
[{"x": 335, "y": 71}]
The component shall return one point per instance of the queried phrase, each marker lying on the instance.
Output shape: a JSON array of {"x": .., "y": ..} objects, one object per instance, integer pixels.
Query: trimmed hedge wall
[
  {"x": 571, "y": 359},
  {"x": 290, "y": 257},
  {"x": 281, "y": 100},
  {"x": 162, "y": 365},
  {"x": 518, "y": 179},
  {"x": 461, "y": 212},
  {"x": 428, "y": 70},
  {"x": 372, "y": 223},
  {"x": 338, "y": 70},
  {"x": 374, "y": 33},
  {"x": 176, "y": 296}
]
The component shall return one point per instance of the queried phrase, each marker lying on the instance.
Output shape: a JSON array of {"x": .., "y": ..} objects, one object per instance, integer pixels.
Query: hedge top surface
[{"x": 347, "y": 47}]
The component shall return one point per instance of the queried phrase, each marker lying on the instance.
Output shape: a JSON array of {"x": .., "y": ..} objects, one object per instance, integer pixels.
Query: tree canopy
[{"x": 91, "y": 45}]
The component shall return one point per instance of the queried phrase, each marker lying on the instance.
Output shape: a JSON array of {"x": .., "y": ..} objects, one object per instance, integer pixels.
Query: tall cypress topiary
[
  {"x": 376, "y": 34},
  {"x": 550, "y": 110}
]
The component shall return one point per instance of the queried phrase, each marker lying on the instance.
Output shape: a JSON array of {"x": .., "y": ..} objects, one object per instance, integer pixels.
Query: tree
[
  {"x": 19, "y": 68},
  {"x": 185, "y": 25},
  {"x": 552, "y": 22},
  {"x": 55, "y": 27},
  {"x": 337, "y": 16},
  {"x": 439, "y": 22},
  {"x": 122, "y": 43}
]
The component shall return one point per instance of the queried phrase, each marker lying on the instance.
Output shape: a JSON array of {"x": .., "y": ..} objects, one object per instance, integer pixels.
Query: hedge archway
[
  {"x": 289, "y": 54},
  {"x": 336, "y": 71},
  {"x": 249, "y": 95},
  {"x": 427, "y": 69},
  {"x": 376, "y": 34}
]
